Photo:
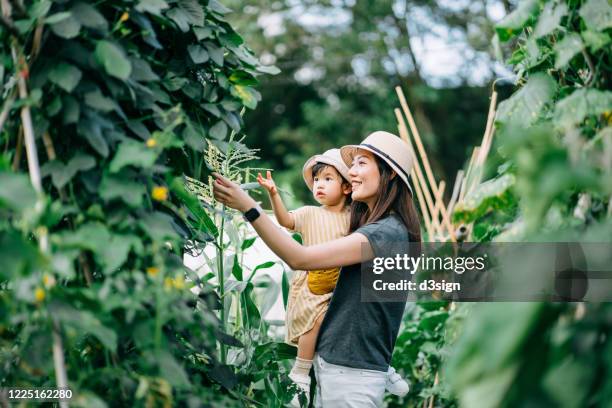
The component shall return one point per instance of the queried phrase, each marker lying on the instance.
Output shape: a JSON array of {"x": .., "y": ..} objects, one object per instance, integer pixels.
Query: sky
[{"x": 442, "y": 54}]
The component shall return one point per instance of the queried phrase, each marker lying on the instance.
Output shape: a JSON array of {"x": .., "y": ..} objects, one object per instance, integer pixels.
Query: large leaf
[
  {"x": 198, "y": 54},
  {"x": 573, "y": 109},
  {"x": 62, "y": 173},
  {"x": 567, "y": 48},
  {"x": 172, "y": 371},
  {"x": 66, "y": 27},
  {"x": 113, "y": 59},
  {"x": 132, "y": 153},
  {"x": 85, "y": 322},
  {"x": 550, "y": 18},
  {"x": 17, "y": 191},
  {"x": 88, "y": 16},
  {"x": 130, "y": 192},
  {"x": 597, "y": 14},
  {"x": 524, "y": 107},
  {"x": 514, "y": 22},
  {"x": 152, "y": 6},
  {"x": 492, "y": 194},
  {"x": 66, "y": 76}
]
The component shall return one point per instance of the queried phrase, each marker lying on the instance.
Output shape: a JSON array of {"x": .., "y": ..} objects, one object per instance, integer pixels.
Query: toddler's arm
[{"x": 283, "y": 216}]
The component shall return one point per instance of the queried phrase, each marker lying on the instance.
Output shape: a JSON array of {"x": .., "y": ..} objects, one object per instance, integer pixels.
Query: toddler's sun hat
[
  {"x": 331, "y": 157},
  {"x": 390, "y": 148}
]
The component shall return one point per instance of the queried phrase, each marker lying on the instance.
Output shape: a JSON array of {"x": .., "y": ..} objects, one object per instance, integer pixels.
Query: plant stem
[{"x": 221, "y": 277}]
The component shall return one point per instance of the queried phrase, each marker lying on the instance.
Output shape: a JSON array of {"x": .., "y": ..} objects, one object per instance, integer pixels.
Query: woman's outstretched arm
[{"x": 339, "y": 252}]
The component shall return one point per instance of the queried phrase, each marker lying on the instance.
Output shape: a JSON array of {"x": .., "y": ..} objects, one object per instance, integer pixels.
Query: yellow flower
[
  {"x": 39, "y": 294},
  {"x": 151, "y": 142},
  {"x": 160, "y": 193},
  {"x": 124, "y": 17},
  {"x": 48, "y": 280},
  {"x": 179, "y": 282},
  {"x": 168, "y": 283},
  {"x": 152, "y": 271}
]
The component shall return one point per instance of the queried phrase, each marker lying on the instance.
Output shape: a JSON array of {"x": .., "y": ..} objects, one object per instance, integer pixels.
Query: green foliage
[
  {"x": 125, "y": 97},
  {"x": 553, "y": 132}
]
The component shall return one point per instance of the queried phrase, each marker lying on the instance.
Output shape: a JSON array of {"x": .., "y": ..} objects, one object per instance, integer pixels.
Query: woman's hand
[
  {"x": 229, "y": 193},
  {"x": 267, "y": 183}
]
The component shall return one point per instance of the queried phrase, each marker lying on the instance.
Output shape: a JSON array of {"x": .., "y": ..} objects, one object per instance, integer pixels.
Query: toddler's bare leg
[{"x": 308, "y": 340}]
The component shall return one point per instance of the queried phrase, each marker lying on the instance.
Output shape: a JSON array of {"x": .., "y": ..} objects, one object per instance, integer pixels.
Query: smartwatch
[{"x": 252, "y": 214}]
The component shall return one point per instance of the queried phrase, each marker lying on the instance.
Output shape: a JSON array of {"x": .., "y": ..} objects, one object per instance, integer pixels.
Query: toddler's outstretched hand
[{"x": 267, "y": 182}]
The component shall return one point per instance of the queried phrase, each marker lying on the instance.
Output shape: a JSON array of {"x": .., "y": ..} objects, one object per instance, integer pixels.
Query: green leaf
[
  {"x": 198, "y": 54},
  {"x": 595, "y": 40},
  {"x": 550, "y": 18},
  {"x": 218, "y": 131},
  {"x": 180, "y": 17},
  {"x": 268, "y": 69},
  {"x": 62, "y": 174},
  {"x": 17, "y": 191},
  {"x": 216, "y": 53},
  {"x": 573, "y": 109},
  {"x": 91, "y": 131},
  {"x": 202, "y": 33},
  {"x": 85, "y": 322},
  {"x": 67, "y": 27},
  {"x": 66, "y": 76},
  {"x": 285, "y": 288},
  {"x": 194, "y": 10},
  {"x": 264, "y": 265},
  {"x": 218, "y": 8},
  {"x": 113, "y": 59},
  {"x": 158, "y": 226},
  {"x": 247, "y": 243},
  {"x": 116, "y": 251},
  {"x": 240, "y": 77},
  {"x": 193, "y": 204},
  {"x": 132, "y": 153},
  {"x": 96, "y": 100},
  {"x": 490, "y": 195},
  {"x": 152, "y": 6},
  {"x": 247, "y": 95},
  {"x": 39, "y": 9},
  {"x": 597, "y": 14},
  {"x": 172, "y": 371},
  {"x": 514, "y": 22},
  {"x": 89, "y": 16},
  {"x": 71, "y": 110},
  {"x": 57, "y": 17},
  {"x": 141, "y": 70},
  {"x": 567, "y": 48},
  {"x": 128, "y": 191},
  {"x": 525, "y": 105}
]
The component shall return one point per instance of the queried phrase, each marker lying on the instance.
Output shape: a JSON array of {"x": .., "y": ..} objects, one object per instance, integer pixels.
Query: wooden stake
[
  {"x": 439, "y": 202},
  {"x": 417, "y": 169},
  {"x": 455, "y": 195},
  {"x": 422, "y": 205},
  {"x": 423, "y": 154}
]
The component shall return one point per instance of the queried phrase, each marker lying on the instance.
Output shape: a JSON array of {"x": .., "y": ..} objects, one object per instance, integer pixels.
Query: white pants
[{"x": 346, "y": 387}]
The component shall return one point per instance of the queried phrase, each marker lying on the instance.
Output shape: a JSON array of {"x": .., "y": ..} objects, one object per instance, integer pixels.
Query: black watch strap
[{"x": 252, "y": 214}]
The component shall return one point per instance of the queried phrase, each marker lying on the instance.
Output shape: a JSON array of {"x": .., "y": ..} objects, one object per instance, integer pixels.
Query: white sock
[{"x": 301, "y": 367}]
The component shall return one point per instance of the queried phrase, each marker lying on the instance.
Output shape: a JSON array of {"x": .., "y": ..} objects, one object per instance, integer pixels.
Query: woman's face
[{"x": 365, "y": 177}]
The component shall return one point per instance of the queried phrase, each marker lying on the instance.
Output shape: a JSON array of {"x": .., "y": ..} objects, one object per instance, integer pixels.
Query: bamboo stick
[
  {"x": 486, "y": 139},
  {"x": 438, "y": 202},
  {"x": 417, "y": 168},
  {"x": 455, "y": 194},
  {"x": 468, "y": 173},
  {"x": 423, "y": 154}
]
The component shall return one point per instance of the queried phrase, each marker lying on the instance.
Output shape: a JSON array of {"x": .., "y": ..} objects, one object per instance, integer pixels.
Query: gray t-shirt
[{"x": 362, "y": 334}]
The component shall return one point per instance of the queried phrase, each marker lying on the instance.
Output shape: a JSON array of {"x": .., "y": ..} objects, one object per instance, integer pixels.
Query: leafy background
[{"x": 133, "y": 103}]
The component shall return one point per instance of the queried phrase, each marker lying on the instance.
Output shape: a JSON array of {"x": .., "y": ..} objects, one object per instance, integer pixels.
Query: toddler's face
[{"x": 327, "y": 188}]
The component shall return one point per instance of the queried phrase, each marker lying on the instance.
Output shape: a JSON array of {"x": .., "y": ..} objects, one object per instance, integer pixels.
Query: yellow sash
[{"x": 322, "y": 281}]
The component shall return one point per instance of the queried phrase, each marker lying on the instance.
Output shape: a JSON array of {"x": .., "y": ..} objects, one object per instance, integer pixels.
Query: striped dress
[{"x": 316, "y": 225}]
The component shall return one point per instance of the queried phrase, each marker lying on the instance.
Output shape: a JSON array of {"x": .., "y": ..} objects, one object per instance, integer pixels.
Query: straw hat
[
  {"x": 390, "y": 148},
  {"x": 331, "y": 157}
]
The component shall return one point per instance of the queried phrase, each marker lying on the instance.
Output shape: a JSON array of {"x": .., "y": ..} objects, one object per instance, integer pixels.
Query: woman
[{"x": 356, "y": 338}]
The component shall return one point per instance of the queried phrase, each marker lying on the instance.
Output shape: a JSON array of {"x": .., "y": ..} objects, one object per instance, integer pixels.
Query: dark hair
[
  {"x": 319, "y": 167},
  {"x": 392, "y": 195}
]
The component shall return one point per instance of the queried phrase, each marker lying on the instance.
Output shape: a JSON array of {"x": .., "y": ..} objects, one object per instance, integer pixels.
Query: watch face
[{"x": 251, "y": 215}]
